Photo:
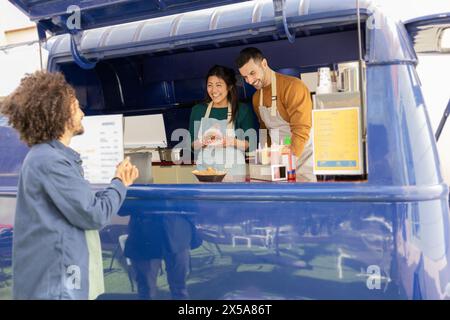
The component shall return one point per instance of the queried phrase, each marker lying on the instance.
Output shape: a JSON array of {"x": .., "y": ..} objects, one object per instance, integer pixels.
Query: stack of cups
[{"x": 324, "y": 84}]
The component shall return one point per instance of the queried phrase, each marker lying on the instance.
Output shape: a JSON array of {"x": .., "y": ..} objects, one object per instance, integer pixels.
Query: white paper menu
[{"x": 100, "y": 147}]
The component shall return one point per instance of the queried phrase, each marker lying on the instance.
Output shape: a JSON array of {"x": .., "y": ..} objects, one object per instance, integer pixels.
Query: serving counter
[{"x": 164, "y": 173}]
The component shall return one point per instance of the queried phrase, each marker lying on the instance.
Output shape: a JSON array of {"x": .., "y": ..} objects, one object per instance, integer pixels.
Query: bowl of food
[{"x": 209, "y": 175}]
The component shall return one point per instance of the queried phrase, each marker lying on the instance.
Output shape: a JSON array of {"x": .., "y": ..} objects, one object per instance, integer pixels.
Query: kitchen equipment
[
  {"x": 349, "y": 79},
  {"x": 274, "y": 172},
  {"x": 165, "y": 154},
  {"x": 337, "y": 100},
  {"x": 142, "y": 159}
]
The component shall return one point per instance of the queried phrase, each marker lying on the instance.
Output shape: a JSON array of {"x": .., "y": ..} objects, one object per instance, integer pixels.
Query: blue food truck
[{"x": 380, "y": 234}]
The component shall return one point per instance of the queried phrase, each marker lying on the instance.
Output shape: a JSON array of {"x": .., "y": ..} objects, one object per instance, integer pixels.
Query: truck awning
[{"x": 57, "y": 16}]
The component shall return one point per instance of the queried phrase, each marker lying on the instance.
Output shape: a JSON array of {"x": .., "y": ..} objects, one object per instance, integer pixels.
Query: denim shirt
[{"x": 56, "y": 211}]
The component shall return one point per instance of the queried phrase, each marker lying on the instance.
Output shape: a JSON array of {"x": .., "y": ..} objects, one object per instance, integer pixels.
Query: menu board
[
  {"x": 337, "y": 141},
  {"x": 100, "y": 147}
]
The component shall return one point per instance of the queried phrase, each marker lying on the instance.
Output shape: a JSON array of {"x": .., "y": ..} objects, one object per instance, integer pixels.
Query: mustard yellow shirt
[{"x": 294, "y": 105}]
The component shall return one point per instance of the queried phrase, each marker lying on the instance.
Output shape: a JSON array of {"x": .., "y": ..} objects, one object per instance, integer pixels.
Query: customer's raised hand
[{"x": 127, "y": 172}]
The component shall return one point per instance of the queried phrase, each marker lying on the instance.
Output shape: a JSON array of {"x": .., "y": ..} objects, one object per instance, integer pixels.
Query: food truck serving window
[
  {"x": 143, "y": 86},
  {"x": 166, "y": 77}
]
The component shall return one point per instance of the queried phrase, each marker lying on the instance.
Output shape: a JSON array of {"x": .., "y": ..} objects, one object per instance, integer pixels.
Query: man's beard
[
  {"x": 258, "y": 85},
  {"x": 79, "y": 132}
]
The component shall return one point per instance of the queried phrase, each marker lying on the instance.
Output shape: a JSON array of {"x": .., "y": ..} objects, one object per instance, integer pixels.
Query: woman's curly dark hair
[{"x": 40, "y": 108}]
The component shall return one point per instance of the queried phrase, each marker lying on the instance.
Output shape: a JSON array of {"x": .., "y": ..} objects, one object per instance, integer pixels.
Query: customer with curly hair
[{"x": 56, "y": 245}]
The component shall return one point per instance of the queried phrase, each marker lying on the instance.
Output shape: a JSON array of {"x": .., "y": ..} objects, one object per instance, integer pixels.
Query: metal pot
[{"x": 165, "y": 154}]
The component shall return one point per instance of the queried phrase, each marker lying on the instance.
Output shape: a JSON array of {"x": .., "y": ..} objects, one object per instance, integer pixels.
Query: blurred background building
[{"x": 19, "y": 47}]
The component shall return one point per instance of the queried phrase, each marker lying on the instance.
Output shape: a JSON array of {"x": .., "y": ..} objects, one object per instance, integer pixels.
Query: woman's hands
[
  {"x": 235, "y": 143},
  {"x": 197, "y": 144},
  {"x": 228, "y": 142}
]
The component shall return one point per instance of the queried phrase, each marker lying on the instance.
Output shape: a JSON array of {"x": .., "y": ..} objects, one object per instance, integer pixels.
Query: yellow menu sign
[{"x": 337, "y": 141}]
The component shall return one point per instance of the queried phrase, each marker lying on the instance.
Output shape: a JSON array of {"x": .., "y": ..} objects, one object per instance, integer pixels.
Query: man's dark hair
[
  {"x": 248, "y": 53},
  {"x": 40, "y": 108}
]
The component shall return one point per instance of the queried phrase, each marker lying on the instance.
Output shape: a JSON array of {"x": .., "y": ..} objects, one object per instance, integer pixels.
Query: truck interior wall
[{"x": 172, "y": 82}]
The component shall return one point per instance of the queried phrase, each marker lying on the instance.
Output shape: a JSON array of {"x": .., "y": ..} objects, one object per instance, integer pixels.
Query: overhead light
[{"x": 445, "y": 40}]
